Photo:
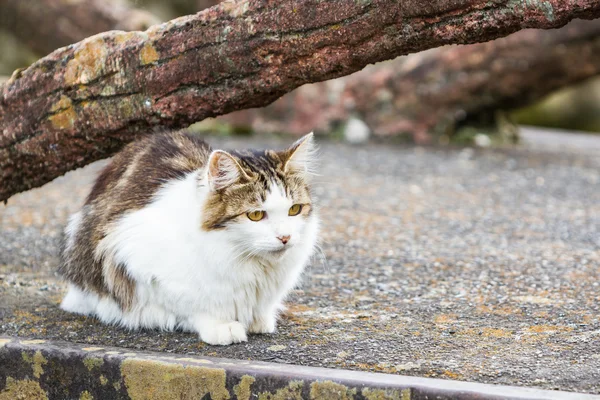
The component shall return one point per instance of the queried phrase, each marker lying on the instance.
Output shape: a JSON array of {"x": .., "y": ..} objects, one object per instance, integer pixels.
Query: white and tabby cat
[{"x": 176, "y": 235}]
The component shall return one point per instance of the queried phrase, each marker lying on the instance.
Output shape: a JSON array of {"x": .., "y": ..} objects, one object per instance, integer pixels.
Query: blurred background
[{"x": 477, "y": 94}]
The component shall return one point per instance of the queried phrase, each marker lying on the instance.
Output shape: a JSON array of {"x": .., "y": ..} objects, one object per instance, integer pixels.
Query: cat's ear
[
  {"x": 224, "y": 170},
  {"x": 301, "y": 156}
]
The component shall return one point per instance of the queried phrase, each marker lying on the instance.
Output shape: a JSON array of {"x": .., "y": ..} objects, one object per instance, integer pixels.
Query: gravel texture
[{"x": 478, "y": 265}]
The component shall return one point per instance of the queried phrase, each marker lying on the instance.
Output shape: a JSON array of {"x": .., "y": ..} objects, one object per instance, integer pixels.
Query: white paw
[
  {"x": 79, "y": 302},
  {"x": 224, "y": 333},
  {"x": 263, "y": 324}
]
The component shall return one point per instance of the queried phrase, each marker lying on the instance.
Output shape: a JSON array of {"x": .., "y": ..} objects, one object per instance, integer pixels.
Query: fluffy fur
[{"x": 164, "y": 240}]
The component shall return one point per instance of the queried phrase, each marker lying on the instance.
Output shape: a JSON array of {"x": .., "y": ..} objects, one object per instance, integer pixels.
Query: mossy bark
[{"x": 84, "y": 102}]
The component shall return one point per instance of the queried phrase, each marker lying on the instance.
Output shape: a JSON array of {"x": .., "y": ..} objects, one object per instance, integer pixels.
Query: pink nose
[{"x": 284, "y": 239}]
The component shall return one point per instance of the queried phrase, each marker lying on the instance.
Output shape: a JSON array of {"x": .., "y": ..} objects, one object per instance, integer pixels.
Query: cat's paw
[
  {"x": 224, "y": 333},
  {"x": 263, "y": 324}
]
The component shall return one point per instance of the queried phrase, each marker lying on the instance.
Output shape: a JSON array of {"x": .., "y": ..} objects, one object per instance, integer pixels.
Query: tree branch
[
  {"x": 430, "y": 92},
  {"x": 46, "y": 25},
  {"x": 84, "y": 102}
]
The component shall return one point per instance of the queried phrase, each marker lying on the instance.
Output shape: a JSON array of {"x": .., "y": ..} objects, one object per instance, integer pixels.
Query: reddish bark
[
  {"x": 46, "y": 25},
  {"x": 84, "y": 102},
  {"x": 430, "y": 92}
]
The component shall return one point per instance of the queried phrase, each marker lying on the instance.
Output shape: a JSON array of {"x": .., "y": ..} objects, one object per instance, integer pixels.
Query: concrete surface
[
  {"x": 474, "y": 265},
  {"x": 557, "y": 139}
]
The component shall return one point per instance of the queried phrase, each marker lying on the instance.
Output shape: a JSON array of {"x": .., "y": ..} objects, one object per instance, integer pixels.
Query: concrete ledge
[{"x": 38, "y": 369}]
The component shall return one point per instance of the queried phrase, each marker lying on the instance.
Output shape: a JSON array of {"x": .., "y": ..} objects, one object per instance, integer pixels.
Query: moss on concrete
[
  {"x": 157, "y": 380},
  {"x": 381, "y": 394},
  {"x": 243, "y": 390},
  {"x": 331, "y": 390},
  {"x": 85, "y": 395},
  {"x": 293, "y": 391},
  {"x": 92, "y": 362},
  {"x": 24, "y": 389},
  {"x": 37, "y": 361}
]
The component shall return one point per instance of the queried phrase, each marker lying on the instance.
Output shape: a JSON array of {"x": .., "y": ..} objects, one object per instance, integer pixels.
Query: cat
[{"x": 175, "y": 235}]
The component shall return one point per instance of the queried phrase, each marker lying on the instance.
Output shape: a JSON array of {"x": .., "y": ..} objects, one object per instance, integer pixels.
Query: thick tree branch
[
  {"x": 84, "y": 102},
  {"x": 46, "y": 25},
  {"x": 430, "y": 92}
]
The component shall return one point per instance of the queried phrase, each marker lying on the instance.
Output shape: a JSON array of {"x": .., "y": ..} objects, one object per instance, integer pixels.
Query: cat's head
[{"x": 262, "y": 198}]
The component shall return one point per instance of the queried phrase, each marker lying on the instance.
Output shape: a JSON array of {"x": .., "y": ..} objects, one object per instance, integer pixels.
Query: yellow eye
[
  {"x": 256, "y": 215},
  {"x": 295, "y": 210}
]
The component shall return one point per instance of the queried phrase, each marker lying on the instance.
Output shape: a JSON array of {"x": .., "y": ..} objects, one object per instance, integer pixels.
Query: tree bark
[
  {"x": 430, "y": 92},
  {"x": 46, "y": 25},
  {"x": 84, "y": 102}
]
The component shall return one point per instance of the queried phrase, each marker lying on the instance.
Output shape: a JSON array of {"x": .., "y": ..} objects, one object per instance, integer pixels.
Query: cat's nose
[{"x": 284, "y": 239}]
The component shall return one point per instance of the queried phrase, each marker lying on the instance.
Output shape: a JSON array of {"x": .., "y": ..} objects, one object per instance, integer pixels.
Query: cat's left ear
[
  {"x": 224, "y": 170},
  {"x": 301, "y": 156}
]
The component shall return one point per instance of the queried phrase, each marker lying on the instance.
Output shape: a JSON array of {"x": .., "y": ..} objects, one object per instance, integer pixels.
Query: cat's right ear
[
  {"x": 301, "y": 156},
  {"x": 224, "y": 170}
]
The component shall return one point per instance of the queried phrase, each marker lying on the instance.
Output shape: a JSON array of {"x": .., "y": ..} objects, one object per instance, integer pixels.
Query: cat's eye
[
  {"x": 256, "y": 215},
  {"x": 295, "y": 210}
]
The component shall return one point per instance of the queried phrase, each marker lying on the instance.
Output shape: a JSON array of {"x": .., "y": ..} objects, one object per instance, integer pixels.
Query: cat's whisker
[
  {"x": 246, "y": 254},
  {"x": 322, "y": 257},
  {"x": 243, "y": 255},
  {"x": 252, "y": 254}
]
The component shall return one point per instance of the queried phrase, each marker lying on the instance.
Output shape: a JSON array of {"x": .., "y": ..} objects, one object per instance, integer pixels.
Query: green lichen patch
[
  {"x": 37, "y": 361},
  {"x": 293, "y": 391},
  {"x": 22, "y": 390},
  {"x": 64, "y": 119},
  {"x": 62, "y": 104},
  {"x": 92, "y": 362},
  {"x": 158, "y": 380},
  {"x": 381, "y": 394},
  {"x": 88, "y": 63},
  {"x": 85, "y": 395},
  {"x": 148, "y": 54},
  {"x": 331, "y": 390},
  {"x": 243, "y": 389}
]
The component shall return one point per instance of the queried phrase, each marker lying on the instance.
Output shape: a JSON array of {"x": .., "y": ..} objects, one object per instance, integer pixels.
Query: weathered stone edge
[{"x": 38, "y": 369}]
